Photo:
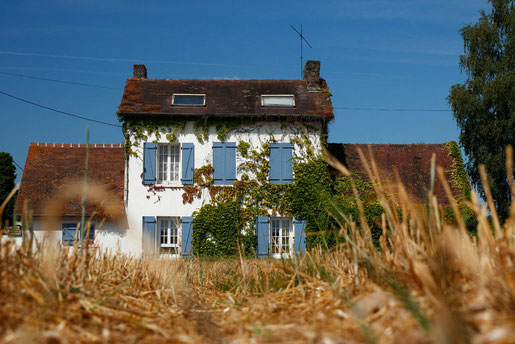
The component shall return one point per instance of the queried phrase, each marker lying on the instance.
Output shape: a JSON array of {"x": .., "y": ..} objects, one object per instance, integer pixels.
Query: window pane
[
  {"x": 188, "y": 99},
  {"x": 174, "y": 162},
  {"x": 276, "y": 237},
  {"x": 287, "y": 101},
  {"x": 163, "y": 224},
  {"x": 163, "y": 163}
]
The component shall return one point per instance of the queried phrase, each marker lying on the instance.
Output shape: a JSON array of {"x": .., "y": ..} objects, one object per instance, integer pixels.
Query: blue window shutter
[
  {"x": 187, "y": 236},
  {"x": 275, "y": 163},
  {"x": 91, "y": 232},
  {"x": 300, "y": 236},
  {"x": 230, "y": 162},
  {"x": 69, "y": 232},
  {"x": 149, "y": 234},
  {"x": 262, "y": 236},
  {"x": 188, "y": 163},
  {"x": 224, "y": 163},
  {"x": 281, "y": 166},
  {"x": 286, "y": 163},
  {"x": 218, "y": 163},
  {"x": 149, "y": 163}
]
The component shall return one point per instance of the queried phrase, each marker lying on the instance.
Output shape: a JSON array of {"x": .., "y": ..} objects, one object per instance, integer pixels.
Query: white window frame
[
  {"x": 189, "y": 94},
  {"x": 282, "y": 252},
  {"x": 158, "y": 165},
  {"x": 264, "y": 96},
  {"x": 169, "y": 245}
]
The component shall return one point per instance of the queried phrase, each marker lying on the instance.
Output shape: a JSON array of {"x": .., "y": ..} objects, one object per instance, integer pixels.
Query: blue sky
[{"x": 374, "y": 54}]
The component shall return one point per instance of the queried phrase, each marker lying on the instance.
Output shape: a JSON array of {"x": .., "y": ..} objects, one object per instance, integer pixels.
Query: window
[
  {"x": 180, "y": 99},
  {"x": 168, "y": 231},
  {"x": 280, "y": 236},
  {"x": 168, "y": 165},
  {"x": 162, "y": 164},
  {"x": 278, "y": 100},
  {"x": 281, "y": 167},
  {"x": 161, "y": 235},
  {"x": 70, "y": 234},
  {"x": 224, "y": 163}
]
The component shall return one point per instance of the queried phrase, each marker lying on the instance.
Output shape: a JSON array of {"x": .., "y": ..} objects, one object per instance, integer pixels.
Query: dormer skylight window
[
  {"x": 185, "y": 99},
  {"x": 277, "y": 100}
]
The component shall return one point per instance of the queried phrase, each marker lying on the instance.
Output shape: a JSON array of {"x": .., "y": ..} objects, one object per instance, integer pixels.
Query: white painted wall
[
  {"x": 142, "y": 202},
  {"x": 111, "y": 236}
]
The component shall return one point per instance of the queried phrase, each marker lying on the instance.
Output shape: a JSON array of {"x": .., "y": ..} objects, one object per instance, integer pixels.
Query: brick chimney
[
  {"x": 312, "y": 74},
  {"x": 140, "y": 71}
]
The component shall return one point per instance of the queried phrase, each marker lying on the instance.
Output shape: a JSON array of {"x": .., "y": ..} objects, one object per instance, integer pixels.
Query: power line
[
  {"x": 391, "y": 110},
  {"x": 59, "y": 111},
  {"x": 60, "y": 81},
  {"x": 18, "y": 165}
]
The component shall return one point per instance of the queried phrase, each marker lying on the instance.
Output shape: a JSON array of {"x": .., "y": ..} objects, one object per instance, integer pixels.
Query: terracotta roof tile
[
  {"x": 412, "y": 162},
  {"x": 51, "y": 166}
]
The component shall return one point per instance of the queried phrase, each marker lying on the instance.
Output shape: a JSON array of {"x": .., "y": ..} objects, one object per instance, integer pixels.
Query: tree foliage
[
  {"x": 484, "y": 105},
  {"x": 7, "y": 179}
]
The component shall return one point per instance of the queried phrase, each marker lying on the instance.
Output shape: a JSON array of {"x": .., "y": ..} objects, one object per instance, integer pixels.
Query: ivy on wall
[
  {"x": 139, "y": 130},
  {"x": 460, "y": 182}
]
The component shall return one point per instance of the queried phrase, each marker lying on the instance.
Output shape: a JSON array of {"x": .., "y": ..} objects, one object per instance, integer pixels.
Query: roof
[
  {"x": 224, "y": 98},
  {"x": 412, "y": 163},
  {"x": 52, "y": 171}
]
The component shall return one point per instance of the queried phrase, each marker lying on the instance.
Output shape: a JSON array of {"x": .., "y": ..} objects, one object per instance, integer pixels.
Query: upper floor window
[
  {"x": 169, "y": 163},
  {"x": 278, "y": 100},
  {"x": 166, "y": 163},
  {"x": 224, "y": 163},
  {"x": 281, "y": 166},
  {"x": 183, "y": 99}
]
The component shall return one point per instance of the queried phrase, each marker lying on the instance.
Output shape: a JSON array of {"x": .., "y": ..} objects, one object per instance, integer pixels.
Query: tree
[
  {"x": 7, "y": 179},
  {"x": 484, "y": 105}
]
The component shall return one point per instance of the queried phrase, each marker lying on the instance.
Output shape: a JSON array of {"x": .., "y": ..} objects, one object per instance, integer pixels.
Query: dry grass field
[{"x": 429, "y": 283}]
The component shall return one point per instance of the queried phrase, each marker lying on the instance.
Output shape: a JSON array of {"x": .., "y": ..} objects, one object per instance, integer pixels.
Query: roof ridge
[{"x": 75, "y": 145}]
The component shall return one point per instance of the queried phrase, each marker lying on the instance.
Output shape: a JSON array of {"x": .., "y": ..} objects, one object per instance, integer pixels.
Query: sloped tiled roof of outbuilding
[
  {"x": 52, "y": 167},
  {"x": 412, "y": 163},
  {"x": 223, "y": 98}
]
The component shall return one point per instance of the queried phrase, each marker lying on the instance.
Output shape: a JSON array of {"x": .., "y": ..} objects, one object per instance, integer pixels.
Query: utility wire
[
  {"x": 60, "y": 81},
  {"x": 115, "y": 88},
  {"x": 391, "y": 110},
  {"x": 18, "y": 165},
  {"x": 59, "y": 111}
]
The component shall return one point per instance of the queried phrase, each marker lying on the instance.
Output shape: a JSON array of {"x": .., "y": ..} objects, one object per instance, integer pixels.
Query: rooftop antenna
[{"x": 301, "y": 39}]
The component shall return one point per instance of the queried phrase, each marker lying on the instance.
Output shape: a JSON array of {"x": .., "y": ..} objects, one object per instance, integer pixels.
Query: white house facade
[{"x": 207, "y": 126}]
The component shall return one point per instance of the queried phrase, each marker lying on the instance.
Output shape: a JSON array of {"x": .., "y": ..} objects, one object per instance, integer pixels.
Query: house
[
  {"x": 51, "y": 192},
  {"x": 411, "y": 163},
  {"x": 197, "y": 147},
  {"x": 176, "y": 127}
]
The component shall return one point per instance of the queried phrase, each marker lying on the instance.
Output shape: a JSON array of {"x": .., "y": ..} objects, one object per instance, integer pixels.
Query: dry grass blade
[{"x": 426, "y": 281}]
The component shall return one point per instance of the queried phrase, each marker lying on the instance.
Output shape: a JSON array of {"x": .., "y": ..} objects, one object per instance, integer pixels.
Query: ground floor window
[
  {"x": 281, "y": 236},
  {"x": 70, "y": 233},
  {"x": 168, "y": 232}
]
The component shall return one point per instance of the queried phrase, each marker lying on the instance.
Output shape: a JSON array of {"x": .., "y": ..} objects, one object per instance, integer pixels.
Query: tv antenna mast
[{"x": 301, "y": 39}]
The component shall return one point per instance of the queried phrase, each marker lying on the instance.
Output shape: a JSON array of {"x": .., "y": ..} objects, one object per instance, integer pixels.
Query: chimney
[
  {"x": 140, "y": 71},
  {"x": 312, "y": 74}
]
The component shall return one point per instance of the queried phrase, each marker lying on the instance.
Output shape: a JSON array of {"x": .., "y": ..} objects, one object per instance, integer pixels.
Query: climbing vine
[
  {"x": 460, "y": 182},
  {"x": 139, "y": 130},
  {"x": 307, "y": 197},
  {"x": 459, "y": 178}
]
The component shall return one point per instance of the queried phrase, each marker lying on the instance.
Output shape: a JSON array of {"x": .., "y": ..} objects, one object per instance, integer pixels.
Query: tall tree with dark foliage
[{"x": 484, "y": 105}]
